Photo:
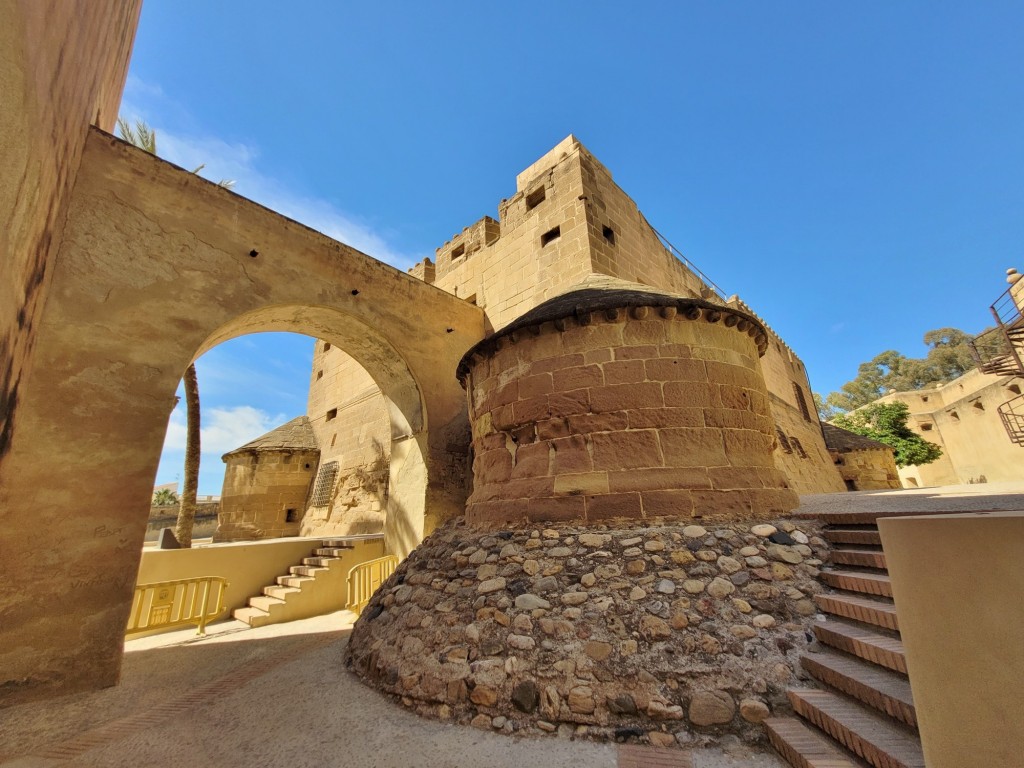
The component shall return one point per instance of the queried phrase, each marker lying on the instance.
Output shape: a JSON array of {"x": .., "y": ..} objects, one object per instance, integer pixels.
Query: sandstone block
[
  {"x": 754, "y": 711},
  {"x": 711, "y": 708}
]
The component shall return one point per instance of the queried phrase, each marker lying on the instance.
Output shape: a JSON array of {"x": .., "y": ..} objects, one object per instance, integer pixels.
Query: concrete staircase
[
  {"x": 863, "y": 713},
  {"x": 292, "y": 596}
]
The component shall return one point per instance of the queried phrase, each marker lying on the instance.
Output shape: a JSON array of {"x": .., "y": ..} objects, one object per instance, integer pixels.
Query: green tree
[
  {"x": 165, "y": 497},
  {"x": 948, "y": 357},
  {"x": 144, "y": 137},
  {"x": 887, "y": 423}
]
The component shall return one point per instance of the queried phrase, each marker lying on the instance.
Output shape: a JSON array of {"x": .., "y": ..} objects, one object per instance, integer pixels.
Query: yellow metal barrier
[
  {"x": 177, "y": 603},
  {"x": 365, "y": 578}
]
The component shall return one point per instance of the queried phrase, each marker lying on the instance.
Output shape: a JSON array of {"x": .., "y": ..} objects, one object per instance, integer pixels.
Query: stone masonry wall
[
  {"x": 626, "y": 414},
  {"x": 628, "y": 631},
  {"x": 868, "y": 470},
  {"x": 264, "y": 494},
  {"x": 348, "y": 415}
]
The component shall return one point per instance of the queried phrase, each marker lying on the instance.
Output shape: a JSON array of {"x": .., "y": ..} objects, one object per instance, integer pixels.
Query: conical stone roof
[{"x": 295, "y": 435}]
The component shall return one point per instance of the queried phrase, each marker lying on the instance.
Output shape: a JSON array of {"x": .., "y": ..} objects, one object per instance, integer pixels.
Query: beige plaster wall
[
  {"x": 156, "y": 266},
  {"x": 962, "y": 418},
  {"x": 62, "y": 67},
  {"x": 962, "y": 620},
  {"x": 262, "y": 490}
]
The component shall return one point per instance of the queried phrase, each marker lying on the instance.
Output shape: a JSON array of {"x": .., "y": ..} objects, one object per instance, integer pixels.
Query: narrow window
[
  {"x": 324, "y": 487},
  {"x": 609, "y": 235},
  {"x": 1014, "y": 389},
  {"x": 550, "y": 236},
  {"x": 954, "y": 416},
  {"x": 333, "y": 438},
  {"x": 783, "y": 441},
  {"x": 535, "y": 198},
  {"x": 459, "y": 251},
  {"x": 801, "y": 402},
  {"x": 926, "y": 427},
  {"x": 799, "y": 448},
  {"x": 977, "y": 404},
  {"x": 319, "y": 375},
  {"x": 332, "y": 414},
  {"x": 291, "y": 516},
  {"x": 327, "y": 345}
]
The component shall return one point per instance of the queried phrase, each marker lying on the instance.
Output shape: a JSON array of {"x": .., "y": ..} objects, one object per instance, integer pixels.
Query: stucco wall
[{"x": 962, "y": 418}]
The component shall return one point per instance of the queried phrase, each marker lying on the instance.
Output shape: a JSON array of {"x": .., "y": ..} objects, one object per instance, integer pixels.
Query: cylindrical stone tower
[{"x": 620, "y": 403}]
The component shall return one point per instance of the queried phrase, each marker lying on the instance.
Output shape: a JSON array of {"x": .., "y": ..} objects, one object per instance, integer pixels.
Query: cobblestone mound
[{"x": 657, "y": 633}]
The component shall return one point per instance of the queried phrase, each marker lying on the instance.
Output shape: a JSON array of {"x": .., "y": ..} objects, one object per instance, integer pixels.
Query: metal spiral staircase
[{"x": 1000, "y": 351}]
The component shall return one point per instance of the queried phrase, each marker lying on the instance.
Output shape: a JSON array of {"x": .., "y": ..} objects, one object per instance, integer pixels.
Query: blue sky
[{"x": 854, "y": 171}]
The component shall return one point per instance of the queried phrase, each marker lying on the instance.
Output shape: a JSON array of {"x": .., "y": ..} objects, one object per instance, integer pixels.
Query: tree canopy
[
  {"x": 887, "y": 423},
  {"x": 948, "y": 357}
]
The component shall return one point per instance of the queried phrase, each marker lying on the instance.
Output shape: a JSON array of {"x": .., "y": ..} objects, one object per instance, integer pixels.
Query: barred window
[
  {"x": 801, "y": 402},
  {"x": 324, "y": 488}
]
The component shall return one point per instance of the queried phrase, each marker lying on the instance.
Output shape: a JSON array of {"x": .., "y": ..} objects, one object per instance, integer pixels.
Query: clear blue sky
[{"x": 854, "y": 171}]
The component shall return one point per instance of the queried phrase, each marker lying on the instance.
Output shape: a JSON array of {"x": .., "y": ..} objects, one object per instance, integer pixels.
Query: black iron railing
[{"x": 1012, "y": 414}]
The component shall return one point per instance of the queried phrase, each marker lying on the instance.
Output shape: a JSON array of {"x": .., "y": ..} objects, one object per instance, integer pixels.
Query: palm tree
[{"x": 144, "y": 137}]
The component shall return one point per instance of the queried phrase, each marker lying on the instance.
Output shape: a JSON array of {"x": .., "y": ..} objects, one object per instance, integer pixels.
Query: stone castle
[{"x": 569, "y": 231}]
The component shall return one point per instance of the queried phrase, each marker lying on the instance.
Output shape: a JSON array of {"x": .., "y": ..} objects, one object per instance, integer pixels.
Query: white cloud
[
  {"x": 240, "y": 162},
  {"x": 223, "y": 429}
]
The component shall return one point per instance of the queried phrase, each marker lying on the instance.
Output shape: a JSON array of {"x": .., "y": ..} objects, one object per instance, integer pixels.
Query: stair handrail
[
  {"x": 364, "y": 579},
  {"x": 165, "y": 604},
  {"x": 1011, "y": 413}
]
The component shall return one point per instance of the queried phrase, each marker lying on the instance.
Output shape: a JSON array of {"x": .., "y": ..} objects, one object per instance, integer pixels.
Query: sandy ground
[
  {"x": 280, "y": 696},
  {"x": 276, "y": 696}
]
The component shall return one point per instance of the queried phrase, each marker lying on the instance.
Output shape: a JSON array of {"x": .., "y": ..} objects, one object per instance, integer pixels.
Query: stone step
[
  {"x": 319, "y": 562},
  {"x": 874, "y": 737},
  {"x": 293, "y": 581},
  {"x": 337, "y": 544},
  {"x": 305, "y": 570},
  {"x": 869, "y": 517},
  {"x": 251, "y": 616},
  {"x": 264, "y": 603},
  {"x": 877, "y": 612},
  {"x": 865, "y": 558},
  {"x": 858, "y": 641},
  {"x": 858, "y": 581},
  {"x": 886, "y": 691},
  {"x": 853, "y": 535},
  {"x": 280, "y": 592},
  {"x": 331, "y": 551},
  {"x": 804, "y": 747}
]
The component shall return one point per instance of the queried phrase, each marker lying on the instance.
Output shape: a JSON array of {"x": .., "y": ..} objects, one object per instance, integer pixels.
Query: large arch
[{"x": 155, "y": 266}]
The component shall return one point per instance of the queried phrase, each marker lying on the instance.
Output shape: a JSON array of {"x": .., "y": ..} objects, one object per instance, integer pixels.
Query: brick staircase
[
  {"x": 304, "y": 577},
  {"x": 863, "y": 712}
]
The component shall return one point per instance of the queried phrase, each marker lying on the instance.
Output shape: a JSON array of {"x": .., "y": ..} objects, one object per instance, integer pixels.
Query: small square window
[
  {"x": 550, "y": 236},
  {"x": 609, "y": 234},
  {"x": 291, "y": 516},
  {"x": 927, "y": 427},
  {"x": 332, "y": 414},
  {"x": 535, "y": 198},
  {"x": 459, "y": 251}
]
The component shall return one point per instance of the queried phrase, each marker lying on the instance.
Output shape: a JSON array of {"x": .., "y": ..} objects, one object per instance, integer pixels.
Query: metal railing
[
  {"x": 165, "y": 604},
  {"x": 998, "y": 350},
  {"x": 364, "y": 579},
  {"x": 1012, "y": 414}
]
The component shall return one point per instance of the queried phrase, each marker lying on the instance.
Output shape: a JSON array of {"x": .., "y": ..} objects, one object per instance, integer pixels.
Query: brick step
[
  {"x": 871, "y": 646},
  {"x": 858, "y": 581},
  {"x": 804, "y": 747},
  {"x": 863, "y": 609},
  {"x": 319, "y": 562},
  {"x": 280, "y": 592},
  {"x": 867, "y": 534},
  {"x": 865, "y": 558},
  {"x": 331, "y": 551},
  {"x": 886, "y": 691},
  {"x": 305, "y": 570},
  {"x": 872, "y": 736},
  {"x": 293, "y": 581},
  {"x": 250, "y": 615},
  {"x": 265, "y": 603}
]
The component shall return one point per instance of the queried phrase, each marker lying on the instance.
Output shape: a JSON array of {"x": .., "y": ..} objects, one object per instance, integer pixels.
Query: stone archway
[{"x": 155, "y": 266}]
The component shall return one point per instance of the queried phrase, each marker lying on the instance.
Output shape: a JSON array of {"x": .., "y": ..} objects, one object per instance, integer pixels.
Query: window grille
[{"x": 324, "y": 488}]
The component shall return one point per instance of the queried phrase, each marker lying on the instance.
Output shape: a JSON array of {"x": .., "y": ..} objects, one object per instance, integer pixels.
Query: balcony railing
[
  {"x": 1012, "y": 414},
  {"x": 999, "y": 350}
]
